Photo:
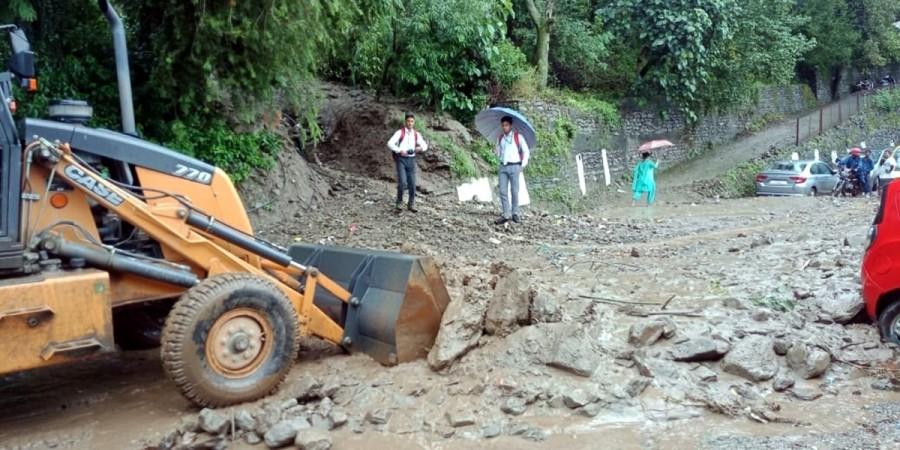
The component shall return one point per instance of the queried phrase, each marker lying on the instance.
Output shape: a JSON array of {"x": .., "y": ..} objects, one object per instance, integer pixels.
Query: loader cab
[{"x": 19, "y": 68}]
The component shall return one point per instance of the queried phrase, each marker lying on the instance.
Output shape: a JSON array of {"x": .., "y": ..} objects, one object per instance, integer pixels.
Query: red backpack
[
  {"x": 518, "y": 144},
  {"x": 403, "y": 135}
]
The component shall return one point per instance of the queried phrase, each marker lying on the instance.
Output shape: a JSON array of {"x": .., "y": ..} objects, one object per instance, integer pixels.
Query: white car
[{"x": 885, "y": 168}]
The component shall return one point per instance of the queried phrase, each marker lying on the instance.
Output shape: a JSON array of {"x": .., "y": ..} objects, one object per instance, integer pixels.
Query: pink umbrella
[{"x": 653, "y": 145}]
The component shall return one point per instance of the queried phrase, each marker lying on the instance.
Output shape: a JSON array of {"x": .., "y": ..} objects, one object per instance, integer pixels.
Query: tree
[
  {"x": 17, "y": 10},
  {"x": 702, "y": 55},
  {"x": 543, "y": 22},
  {"x": 837, "y": 41},
  {"x": 880, "y": 39}
]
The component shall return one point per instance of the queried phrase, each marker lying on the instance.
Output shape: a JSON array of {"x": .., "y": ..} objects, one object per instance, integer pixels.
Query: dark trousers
[{"x": 406, "y": 178}]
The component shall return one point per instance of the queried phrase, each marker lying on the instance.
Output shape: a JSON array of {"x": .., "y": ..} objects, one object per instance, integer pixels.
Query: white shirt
[
  {"x": 409, "y": 142},
  {"x": 509, "y": 152}
]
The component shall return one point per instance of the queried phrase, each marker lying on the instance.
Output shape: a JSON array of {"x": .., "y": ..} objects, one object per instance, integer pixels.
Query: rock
[
  {"x": 855, "y": 240},
  {"x": 535, "y": 434},
  {"x": 590, "y": 410},
  {"x": 761, "y": 241},
  {"x": 269, "y": 417},
  {"x": 669, "y": 328},
  {"x": 308, "y": 388},
  {"x": 636, "y": 386},
  {"x": 338, "y": 418},
  {"x": 806, "y": 393},
  {"x": 575, "y": 353},
  {"x": 189, "y": 424},
  {"x": 752, "y": 358},
  {"x": 808, "y": 362},
  {"x": 884, "y": 384},
  {"x": 283, "y": 432},
  {"x": 781, "y": 346},
  {"x": 313, "y": 440},
  {"x": 491, "y": 430},
  {"x": 576, "y": 398},
  {"x": 700, "y": 349},
  {"x": 782, "y": 383},
  {"x": 514, "y": 406},
  {"x": 378, "y": 417},
  {"x": 244, "y": 421},
  {"x": 461, "y": 327},
  {"x": 460, "y": 418},
  {"x": 320, "y": 422},
  {"x": 841, "y": 307},
  {"x": 761, "y": 315},
  {"x": 706, "y": 374},
  {"x": 646, "y": 333},
  {"x": 290, "y": 403},
  {"x": 212, "y": 422},
  {"x": 252, "y": 438},
  {"x": 655, "y": 367},
  {"x": 510, "y": 306},
  {"x": 635, "y": 253},
  {"x": 545, "y": 308}
]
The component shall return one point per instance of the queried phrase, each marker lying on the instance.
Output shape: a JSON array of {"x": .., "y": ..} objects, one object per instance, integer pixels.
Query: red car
[{"x": 881, "y": 265}]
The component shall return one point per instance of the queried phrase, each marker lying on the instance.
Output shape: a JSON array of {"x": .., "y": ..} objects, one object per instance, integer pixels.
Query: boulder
[
  {"x": 806, "y": 393},
  {"x": 461, "y": 327},
  {"x": 460, "y": 418},
  {"x": 806, "y": 361},
  {"x": 700, "y": 349},
  {"x": 510, "y": 306},
  {"x": 575, "y": 353},
  {"x": 244, "y": 421},
  {"x": 840, "y": 307},
  {"x": 378, "y": 416},
  {"x": 284, "y": 432},
  {"x": 212, "y": 421},
  {"x": 545, "y": 307},
  {"x": 781, "y": 346},
  {"x": 782, "y": 383},
  {"x": 313, "y": 440},
  {"x": 752, "y": 358},
  {"x": 646, "y": 332},
  {"x": 514, "y": 406},
  {"x": 636, "y": 386},
  {"x": 577, "y": 398}
]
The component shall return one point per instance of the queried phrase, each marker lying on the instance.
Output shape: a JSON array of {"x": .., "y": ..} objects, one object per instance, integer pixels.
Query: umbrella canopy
[
  {"x": 488, "y": 124},
  {"x": 653, "y": 145}
]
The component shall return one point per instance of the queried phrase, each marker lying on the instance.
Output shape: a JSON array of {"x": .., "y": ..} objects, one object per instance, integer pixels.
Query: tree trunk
[{"x": 542, "y": 55}]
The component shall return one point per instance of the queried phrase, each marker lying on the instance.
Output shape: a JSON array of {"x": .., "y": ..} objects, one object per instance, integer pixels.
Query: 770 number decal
[{"x": 192, "y": 174}]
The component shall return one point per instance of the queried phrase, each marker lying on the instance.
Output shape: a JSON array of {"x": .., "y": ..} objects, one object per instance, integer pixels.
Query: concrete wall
[{"x": 642, "y": 125}]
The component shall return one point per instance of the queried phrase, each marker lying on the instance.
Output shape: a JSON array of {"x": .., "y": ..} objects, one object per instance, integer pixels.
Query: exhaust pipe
[{"x": 122, "y": 72}]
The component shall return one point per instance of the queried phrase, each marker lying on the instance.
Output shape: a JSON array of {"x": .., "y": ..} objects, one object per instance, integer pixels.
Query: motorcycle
[{"x": 849, "y": 184}]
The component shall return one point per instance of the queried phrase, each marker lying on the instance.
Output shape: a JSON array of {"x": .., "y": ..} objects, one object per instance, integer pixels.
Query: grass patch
[{"x": 588, "y": 103}]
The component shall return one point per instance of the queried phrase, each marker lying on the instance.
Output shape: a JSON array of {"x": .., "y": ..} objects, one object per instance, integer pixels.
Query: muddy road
[{"x": 626, "y": 326}]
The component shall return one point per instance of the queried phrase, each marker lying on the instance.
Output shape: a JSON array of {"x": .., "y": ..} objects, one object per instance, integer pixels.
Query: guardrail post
[
  {"x": 797, "y": 134},
  {"x": 821, "y": 110}
]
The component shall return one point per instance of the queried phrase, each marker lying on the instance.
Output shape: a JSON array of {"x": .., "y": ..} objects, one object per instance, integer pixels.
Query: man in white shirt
[
  {"x": 513, "y": 153},
  {"x": 404, "y": 145}
]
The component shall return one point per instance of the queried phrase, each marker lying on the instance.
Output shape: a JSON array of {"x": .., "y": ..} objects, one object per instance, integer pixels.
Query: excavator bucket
[{"x": 401, "y": 299}]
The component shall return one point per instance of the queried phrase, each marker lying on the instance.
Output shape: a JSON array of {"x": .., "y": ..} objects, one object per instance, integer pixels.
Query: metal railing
[{"x": 831, "y": 115}]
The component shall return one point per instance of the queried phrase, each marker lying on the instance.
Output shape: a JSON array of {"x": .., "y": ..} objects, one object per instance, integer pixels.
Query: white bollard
[
  {"x": 833, "y": 156},
  {"x": 816, "y": 154},
  {"x": 862, "y": 144},
  {"x": 579, "y": 163},
  {"x": 605, "y": 167},
  {"x": 795, "y": 156}
]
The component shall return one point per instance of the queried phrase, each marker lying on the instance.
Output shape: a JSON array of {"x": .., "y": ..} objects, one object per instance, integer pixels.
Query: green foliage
[
  {"x": 588, "y": 103},
  {"x": 874, "y": 20},
  {"x": 441, "y": 53},
  {"x": 740, "y": 181},
  {"x": 462, "y": 166},
  {"x": 17, "y": 10},
  {"x": 485, "y": 151},
  {"x": 809, "y": 99},
  {"x": 554, "y": 149},
  {"x": 831, "y": 26},
  {"x": 557, "y": 197},
  {"x": 215, "y": 142},
  {"x": 887, "y": 100},
  {"x": 702, "y": 54}
]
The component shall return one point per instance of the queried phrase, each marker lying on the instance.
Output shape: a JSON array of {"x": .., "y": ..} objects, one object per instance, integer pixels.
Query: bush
[
  {"x": 234, "y": 152},
  {"x": 887, "y": 100}
]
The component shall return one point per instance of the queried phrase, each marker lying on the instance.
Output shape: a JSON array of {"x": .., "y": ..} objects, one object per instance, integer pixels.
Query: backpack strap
[
  {"x": 519, "y": 146},
  {"x": 402, "y": 135}
]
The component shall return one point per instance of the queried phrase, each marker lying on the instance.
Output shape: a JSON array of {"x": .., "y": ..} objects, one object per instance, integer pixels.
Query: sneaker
[
  {"x": 398, "y": 208},
  {"x": 501, "y": 221},
  {"x": 412, "y": 209},
  {"x": 515, "y": 218}
]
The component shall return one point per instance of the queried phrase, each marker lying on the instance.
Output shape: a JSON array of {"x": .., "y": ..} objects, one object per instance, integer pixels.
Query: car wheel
[
  {"x": 813, "y": 192},
  {"x": 889, "y": 322}
]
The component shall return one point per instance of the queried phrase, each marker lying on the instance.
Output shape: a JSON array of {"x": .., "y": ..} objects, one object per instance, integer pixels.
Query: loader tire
[{"x": 230, "y": 339}]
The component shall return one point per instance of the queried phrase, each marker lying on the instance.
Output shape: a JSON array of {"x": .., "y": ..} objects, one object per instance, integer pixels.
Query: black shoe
[
  {"x": 515, "y": 218},
  {"x": 501, "y": 221},
  {"x": 398, "y": 208},
  {"x": 412, "y": 209}
]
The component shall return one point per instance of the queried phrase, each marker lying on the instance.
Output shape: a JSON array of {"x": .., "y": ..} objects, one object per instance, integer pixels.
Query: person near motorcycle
[
  {"x": 866, "y": 166},
  {"x": 852, "y": 163}
]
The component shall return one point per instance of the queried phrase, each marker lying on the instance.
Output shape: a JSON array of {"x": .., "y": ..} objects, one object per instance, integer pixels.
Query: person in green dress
[{"x": 643, "y": 180}]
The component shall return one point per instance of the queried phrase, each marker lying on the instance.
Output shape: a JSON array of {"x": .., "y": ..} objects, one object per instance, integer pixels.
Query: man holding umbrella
[{"x": 514, "y": 137}]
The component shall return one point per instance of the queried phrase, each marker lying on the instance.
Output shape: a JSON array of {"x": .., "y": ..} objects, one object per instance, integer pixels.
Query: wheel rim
[
  {"x": 896, "y": 328},
  {"x": 238, "y": 342}
]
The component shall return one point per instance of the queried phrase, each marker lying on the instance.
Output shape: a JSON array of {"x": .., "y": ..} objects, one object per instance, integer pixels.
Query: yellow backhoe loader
[{"x": 109, "y": 241}]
